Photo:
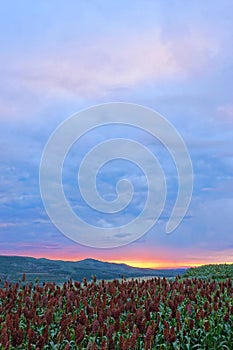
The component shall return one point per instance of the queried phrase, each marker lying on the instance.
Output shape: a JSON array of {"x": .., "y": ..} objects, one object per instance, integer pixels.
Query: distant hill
[
  {"x": 217, "y": 271},
  {"x": 12, "y": 268}
]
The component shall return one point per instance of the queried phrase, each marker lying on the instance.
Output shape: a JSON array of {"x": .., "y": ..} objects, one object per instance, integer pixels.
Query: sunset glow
[{"x": 169, "y": 57}]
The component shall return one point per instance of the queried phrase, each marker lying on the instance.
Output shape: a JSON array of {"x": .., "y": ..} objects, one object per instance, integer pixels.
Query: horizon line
[{"x": 131, "y": 263}]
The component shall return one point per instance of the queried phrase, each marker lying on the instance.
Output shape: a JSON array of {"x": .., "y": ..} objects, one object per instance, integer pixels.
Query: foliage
[
  {"x": 218, "y": 271},
  {"x": 119, "y": 315}
]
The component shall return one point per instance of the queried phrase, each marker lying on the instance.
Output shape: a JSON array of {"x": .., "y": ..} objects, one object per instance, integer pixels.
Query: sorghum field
[{"x": 134, "y": 314}]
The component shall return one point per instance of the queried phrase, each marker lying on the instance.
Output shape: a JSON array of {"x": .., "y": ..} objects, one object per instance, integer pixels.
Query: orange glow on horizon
[
  {"x": 157, "y": 264},
  {"x": 167, "y": 264}
]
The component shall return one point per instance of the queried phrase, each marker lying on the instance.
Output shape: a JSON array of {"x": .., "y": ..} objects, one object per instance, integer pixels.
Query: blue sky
[{"x": 174, "y": 57}]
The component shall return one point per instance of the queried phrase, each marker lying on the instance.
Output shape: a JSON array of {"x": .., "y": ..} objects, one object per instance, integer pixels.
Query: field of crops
[
  {"x": 213, "y": 271},
  {"x": 152, "y": 314}
]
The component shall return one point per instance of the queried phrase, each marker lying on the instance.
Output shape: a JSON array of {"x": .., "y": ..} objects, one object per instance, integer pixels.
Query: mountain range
[{"x": 13, "y": 267}]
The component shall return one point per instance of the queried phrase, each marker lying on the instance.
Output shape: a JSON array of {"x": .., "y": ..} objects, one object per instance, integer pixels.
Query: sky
[{"x": 174, "y": 57}]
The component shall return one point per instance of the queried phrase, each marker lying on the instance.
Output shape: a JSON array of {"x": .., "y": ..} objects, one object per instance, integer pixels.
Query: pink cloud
[{"x": 93, "y": 70}]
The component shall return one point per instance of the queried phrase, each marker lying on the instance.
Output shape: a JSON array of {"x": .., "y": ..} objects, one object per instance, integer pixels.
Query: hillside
[
  {"x": 217, "y": 271},
  {"x": 12, "y": 268}
]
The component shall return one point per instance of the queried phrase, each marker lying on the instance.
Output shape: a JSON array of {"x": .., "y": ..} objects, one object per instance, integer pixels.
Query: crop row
[{"x": 117, "y": 315}]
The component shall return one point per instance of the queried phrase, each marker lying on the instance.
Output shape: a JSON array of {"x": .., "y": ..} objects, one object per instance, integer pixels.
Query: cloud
[
  {"x": 108, "y": 63},
  {"x": 225, "y": 112},
  {"x": 9, "y": 224},
  {"x": 173, "y": 58},
  {"x": 208, "y": 229},
  {"x": 7, "y": 109}
]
